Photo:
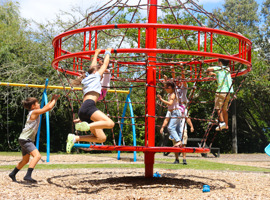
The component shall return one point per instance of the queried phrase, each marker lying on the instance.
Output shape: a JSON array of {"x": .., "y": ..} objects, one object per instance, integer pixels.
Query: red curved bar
[
  {"x": 147, "y": 50},
  {"x": 152, "y": 25},
  {"x": 149, "y": 149}
]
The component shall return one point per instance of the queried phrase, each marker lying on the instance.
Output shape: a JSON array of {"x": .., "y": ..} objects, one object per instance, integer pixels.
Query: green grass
[{"x": 198, "y": 164}]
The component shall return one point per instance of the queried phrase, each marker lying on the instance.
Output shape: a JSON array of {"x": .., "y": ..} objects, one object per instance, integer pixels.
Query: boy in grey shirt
[{"x": 27, "y": 137}]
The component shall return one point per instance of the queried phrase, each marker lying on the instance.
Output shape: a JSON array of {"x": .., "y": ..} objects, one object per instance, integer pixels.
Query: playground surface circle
[{"x": 121, "y": 183}]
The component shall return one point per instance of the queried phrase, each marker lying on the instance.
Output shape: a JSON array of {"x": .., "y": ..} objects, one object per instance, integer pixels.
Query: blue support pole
[
  {"x": 128, "y": 102},
  {"x": 79, "y": 145},
  {"x": 47, "y": 128},
  {"x": 44, "y": 101},
  {"x": 133, "y": 126},
  {"x": 121, "y": 128}
]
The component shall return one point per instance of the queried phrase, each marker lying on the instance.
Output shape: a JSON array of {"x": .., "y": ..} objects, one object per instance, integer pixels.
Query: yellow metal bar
[{"x": 56, "y": 87}]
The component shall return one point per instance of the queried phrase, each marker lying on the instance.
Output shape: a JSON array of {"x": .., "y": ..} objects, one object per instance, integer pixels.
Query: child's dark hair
[
  {"x": 77, "y": 81},
  {"x": 224, "y": 62},
  {"x": 170, "y": 83},
  {"x": 93, "y": 68},
  {"x": 27, "y": 103}
]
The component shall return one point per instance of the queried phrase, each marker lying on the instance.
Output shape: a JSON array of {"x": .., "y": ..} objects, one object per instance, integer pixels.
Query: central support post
[{"x": 151, "y": 34}]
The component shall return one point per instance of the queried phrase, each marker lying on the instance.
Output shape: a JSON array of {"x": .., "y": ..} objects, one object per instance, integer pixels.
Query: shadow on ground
[{"x": 95, "y": 182}]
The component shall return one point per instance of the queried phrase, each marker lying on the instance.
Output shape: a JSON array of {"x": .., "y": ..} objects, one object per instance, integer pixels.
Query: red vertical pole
[
  {"x": 81, "y": 63},
  {"x": 118, "y": 71},
  {"x": 150, "y": 90},
  {"x": 84, "y": 40},
  {"x": 190, "y": 68},
  {"x": 239, "y": 48},
  {"x": 60, "y": 47},
  {"x": 139, "y": 38},
  {"x": 205, "y": 41},
  {"x": 211, "y": 43},
  {"x": 249, "y": 55},
  {"x": 113, "y": 69},
  {"x": 199, "y": 40},
  {"x": 96, "y": 40},
  {"x": 200, "y": 70},
  {"x": 195, "y": 71},
  {"x": 243, "y": 49},
  {"x": 90, "y": 39}
]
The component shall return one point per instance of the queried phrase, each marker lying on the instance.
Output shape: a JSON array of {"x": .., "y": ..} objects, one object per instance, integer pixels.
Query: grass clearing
[{"x": 198, "y": 164}]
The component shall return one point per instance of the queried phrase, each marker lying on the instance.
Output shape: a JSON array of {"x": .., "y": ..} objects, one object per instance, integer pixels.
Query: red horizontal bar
[{"x": 146, "y": 149}]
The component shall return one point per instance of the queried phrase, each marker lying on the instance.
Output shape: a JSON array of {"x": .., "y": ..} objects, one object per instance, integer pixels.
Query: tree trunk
[{"x": 234, "y": 128}]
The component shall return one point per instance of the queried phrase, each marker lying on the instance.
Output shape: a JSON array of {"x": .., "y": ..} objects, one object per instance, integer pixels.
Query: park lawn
[{"x": 197, "y": 164}]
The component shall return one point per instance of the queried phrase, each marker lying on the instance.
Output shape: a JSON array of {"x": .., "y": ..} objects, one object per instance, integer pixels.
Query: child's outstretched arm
[
  {"x": 94, "y": 62},
  {"x": 167, "y": 102},
  {"x": 47, "y": 107},
  {"x": 210, "y": 72},
  {"x": 106, "y": 61},
  {"x": 183, "y": 75},
  {"x": 105, "y": 84}
]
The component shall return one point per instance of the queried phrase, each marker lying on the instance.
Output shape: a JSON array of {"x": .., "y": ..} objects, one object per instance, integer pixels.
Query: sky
[{"x": 42, "y": 10}]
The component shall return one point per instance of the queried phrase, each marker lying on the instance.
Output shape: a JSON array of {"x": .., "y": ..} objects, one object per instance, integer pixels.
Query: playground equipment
[
  {"x": 144, "y": 62},
  {"x": 44, "y": 101}
]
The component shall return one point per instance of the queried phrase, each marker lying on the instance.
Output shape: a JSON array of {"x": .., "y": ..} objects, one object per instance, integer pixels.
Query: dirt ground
[{"x": 131, "y": 184}]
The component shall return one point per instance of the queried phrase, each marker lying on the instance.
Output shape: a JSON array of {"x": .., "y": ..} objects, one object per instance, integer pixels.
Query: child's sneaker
[
  {"x": 82, "y": 126},
  {"x": 29, "y": 180},
  {"x": 70, "y": 142},
  {"x": 184, "y": 162},
  {"x": 176, "y": 161},
  {"x": 221, "y": 126},
  {"x": 12, "y": 177}
]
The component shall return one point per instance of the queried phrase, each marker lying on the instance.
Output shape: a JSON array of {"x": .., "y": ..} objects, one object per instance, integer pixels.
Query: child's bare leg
[
  {"x": 20, "y": 165},
  {"x": 24, "y": 161},
  {"x": 101, "y": 121},
  {"x": 225, "y": 116},
  {"x": 36, "y": 157},
  {"x": 176, "y": 155},
  {"x": 220, "y": 114},
  {"x": 98, "y": 136}
]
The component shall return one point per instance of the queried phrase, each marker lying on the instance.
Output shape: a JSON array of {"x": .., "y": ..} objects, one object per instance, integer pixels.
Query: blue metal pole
[
  {"x": 79, "y": 145},
  {"x": 121, "y": 128},
  {"x": 44, "y": 101},
  {"x": 39, "y": 127},
  {"x": 133, "y": 124},
  {"x": 41, "y": 106},
  {"x": 47, "y": 128}
]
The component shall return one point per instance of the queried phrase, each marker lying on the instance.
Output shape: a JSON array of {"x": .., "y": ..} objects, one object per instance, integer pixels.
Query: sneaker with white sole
[
  {"x": 82, "y": 126},
  {"x": 70, "y": 142},
  {"x": 221, "y": 126}
]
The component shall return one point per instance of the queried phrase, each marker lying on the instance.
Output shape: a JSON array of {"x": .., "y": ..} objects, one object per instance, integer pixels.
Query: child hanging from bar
[{"x": 91, "y": 118}]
